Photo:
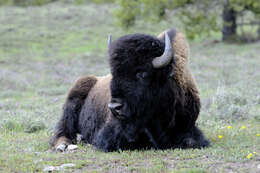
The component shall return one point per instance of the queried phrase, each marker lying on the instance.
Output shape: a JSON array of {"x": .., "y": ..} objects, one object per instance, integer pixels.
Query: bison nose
[{"x": 116, "y": 108}]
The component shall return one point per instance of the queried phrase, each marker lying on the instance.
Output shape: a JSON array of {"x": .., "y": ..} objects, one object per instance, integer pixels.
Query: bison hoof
[
  {"x": 189, "y": 143},
  {"x": 64, "y": 147},
  {"x": 61, "y": 147},
  {"x": 72, "y": 147}
]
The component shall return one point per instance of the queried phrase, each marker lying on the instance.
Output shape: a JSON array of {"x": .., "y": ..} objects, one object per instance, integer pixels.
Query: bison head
[{"x": 141, "y": 67}]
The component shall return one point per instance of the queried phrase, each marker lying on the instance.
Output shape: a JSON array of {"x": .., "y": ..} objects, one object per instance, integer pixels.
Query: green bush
[
  {"x": 12, "y": 125},
  {"x": 25, "y": 2},
  {"x": 5, "y": 2},
  {"x": 200, "y": 17},
  {"x": 34, "y": 126},
  {"x": 32, "y": 2},
  {"x": 93, "y": 1},
  {"x": 26, "y": 125},
  {"x": 127, "y": 13}
]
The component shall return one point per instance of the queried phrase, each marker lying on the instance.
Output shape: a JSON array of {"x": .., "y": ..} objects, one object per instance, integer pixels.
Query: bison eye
[{"x": 141, "y": 75}]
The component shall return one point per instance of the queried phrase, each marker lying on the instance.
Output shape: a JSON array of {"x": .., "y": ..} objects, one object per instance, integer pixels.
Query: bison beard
[{"x": 141, "y": 105}]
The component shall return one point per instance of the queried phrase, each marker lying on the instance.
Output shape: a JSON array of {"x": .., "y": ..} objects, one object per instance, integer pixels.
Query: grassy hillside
[{"x": 44, "y": 49}]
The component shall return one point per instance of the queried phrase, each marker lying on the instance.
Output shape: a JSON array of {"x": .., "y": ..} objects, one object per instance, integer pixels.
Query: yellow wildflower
[
  {"x": 249, "y": 155},
  {"x": 220, "y": 136},
  {"x": 229, "y": 127},
  {"x": 258, "y": 134},
  {"x": 243, "y": 127},
  {"x": 254, "y": 153}
]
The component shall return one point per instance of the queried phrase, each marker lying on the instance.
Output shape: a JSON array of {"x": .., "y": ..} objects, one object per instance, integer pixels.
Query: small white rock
[
  {"x": 72, "y": 147},
  {"x": 58, "y": 168},
  {"x": 258, "y": 166},
  {"x": 61, "y": 147},
  {"x": 67, "y": 165},
  {"x": 49, "y": 169}
]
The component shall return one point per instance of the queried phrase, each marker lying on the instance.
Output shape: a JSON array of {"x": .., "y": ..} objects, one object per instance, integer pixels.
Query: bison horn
[
  {"x": 109, "y": 41},
  {"x": 166, "y": 57}
]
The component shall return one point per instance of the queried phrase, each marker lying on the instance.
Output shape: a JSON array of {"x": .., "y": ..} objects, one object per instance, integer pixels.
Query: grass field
[{"x": 43, "y": 50}]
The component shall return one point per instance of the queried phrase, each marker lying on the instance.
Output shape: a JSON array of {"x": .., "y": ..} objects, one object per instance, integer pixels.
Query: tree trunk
[
  {"x": 229, "y": 22},
  {"x": 258, "y": 31}
]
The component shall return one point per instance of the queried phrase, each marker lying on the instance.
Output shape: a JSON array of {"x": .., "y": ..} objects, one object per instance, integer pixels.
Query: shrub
[
  {"x": 12, "y": 125},
  {"x": 25, "y": 2},
  {"x": 34, "y": 126},
  {"x": 93, "y": 1},
  {"x": 229, "y": 105}
]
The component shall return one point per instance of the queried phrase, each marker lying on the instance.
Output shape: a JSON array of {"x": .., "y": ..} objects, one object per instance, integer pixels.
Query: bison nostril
[
  {"x": 115, "y": 106},
  {"x": 118, "y": 107}
]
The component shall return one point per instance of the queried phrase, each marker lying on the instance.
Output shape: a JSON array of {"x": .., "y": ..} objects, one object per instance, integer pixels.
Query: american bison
[{"x": 150, "y": 99}]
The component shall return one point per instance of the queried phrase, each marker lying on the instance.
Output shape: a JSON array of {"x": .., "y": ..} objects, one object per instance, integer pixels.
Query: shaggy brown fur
[{"x": 181, "y": 70}]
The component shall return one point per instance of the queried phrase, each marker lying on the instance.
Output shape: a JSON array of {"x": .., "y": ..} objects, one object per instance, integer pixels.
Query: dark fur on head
[
  {"x": 135, "y": 82},
  {"x": 131, "y": 51}
]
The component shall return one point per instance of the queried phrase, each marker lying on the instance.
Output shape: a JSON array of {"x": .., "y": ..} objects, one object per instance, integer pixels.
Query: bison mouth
[{"x": 116, "y": 106}]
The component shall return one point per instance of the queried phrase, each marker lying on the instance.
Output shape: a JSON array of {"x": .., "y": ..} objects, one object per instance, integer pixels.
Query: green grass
[{"x": 43, "y": 50}]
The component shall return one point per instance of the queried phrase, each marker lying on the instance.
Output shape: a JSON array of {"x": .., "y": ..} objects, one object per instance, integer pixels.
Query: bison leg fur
[
  {"x": 67, "y": 127},
  {"x": 194, "y": 139},
  {"x": 188, "y": 132},
  {"x": 109, "y": 137}
]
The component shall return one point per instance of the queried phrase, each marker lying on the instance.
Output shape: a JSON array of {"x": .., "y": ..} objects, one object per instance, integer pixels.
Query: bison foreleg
[
  {"x": 67, "y": 127},
  {"x": 151, "y": 138},
  {"x": 117, "y": 135},
  {"x": 194, "y": 139},
  {"x": 109, "y": 137}
]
